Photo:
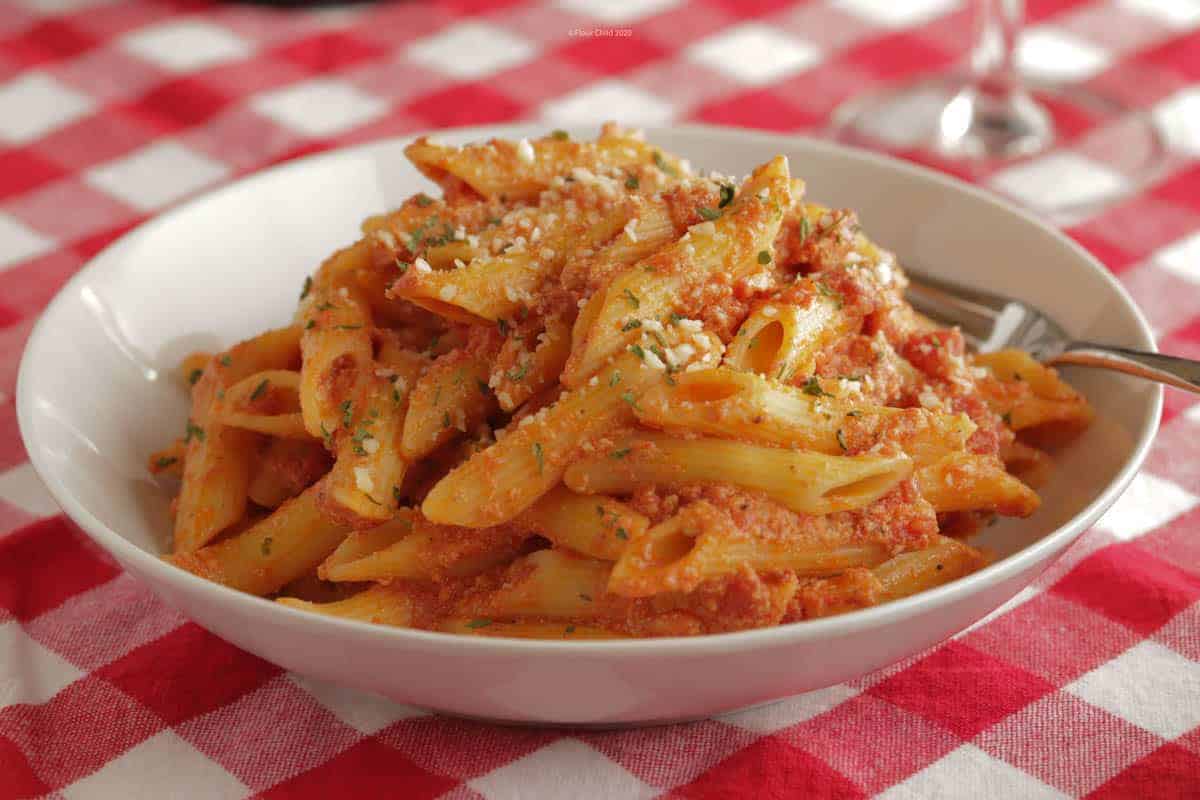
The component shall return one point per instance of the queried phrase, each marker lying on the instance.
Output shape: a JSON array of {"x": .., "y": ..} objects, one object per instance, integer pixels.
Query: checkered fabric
[{"x": 1088, "y": 684}]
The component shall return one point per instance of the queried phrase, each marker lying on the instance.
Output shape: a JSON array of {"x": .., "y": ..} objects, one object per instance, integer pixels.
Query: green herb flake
[
  {"x": 813, "y": 386},
  {"x": 854, "y": 413},
  {"x": 632, "y": 182},
  {"x": 708, "y": 213},
  {"x": 587, "y": 598},
  {"x": 633, "y": 299},
  {"x": 727, "y": 191},
  {"x": 225, "y": 360},
  {"x": 347, "y": 414},
  {"x": 396, "y": 495},
  {"x": 628, "y": 397},
  {"x": 615, "y": 378},
  {"x": 259, "y": 390},
  {"x": 560, "y": 134},
  {"x": 518, "y": 374},
  {"x": 622, "y": 534},
  {"x": 676, "y": 317},
  {"x": 662, "y": 164},
  {"x": 424, "y": 200},
  {"x": 195, "y": 375},
  {"x": 265, "y": 548},
  {"x": 1006, "y": 418},
  {"x": 308, "y": 326},
  {"x": 841, "y": 440},
  {"x": 619, "y": 454},
  {"x": 631, "y": 325},
  {"x": 193, "y": 431},
  {"x": 537, "y": 454},
  {"x": 165, "y": 461},
  {"x": 764, "y": 257},
  {"x": 445, "y": 419},
  {"x": 637, "y": 350},
  {"x": 502, "y": 325},
  {"x": 482, "y": 622},
  {"x": 569, "y": 629},
  {"x": 402, "y": 266},
  {"x": 348, "y": 327},
  {"x": 803, "y": 230},
  {"x": 307, "y": 287}
]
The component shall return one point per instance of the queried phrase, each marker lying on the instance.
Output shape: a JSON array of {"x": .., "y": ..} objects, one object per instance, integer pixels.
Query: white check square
[
  {"x": 1060, "y": 180},
  {"x": 971, "y": 766},
  {"x": 1182, "y": 257},
  {"x": 754, "y": 53},
  {"x": 163, "y": 766},
  {"x": 31, "y": 673},
  {"x": 21, "y": 487},
  {"x": 893, "y": 14},
  {"x": 320, "y": 107},
  {"x": 624, "y": 11},
  {"x": 185, "y": 45},
  {"x": 1148, "y": 503},
  {"x": 1149, "y": 685},
  {"x": 595, "y": 103},
  {"x": 566, "y": 769},
  {"x": 156, "y": 175},
  {"x": 471, "y": 50},
  {"x": 18, "y": 243},
  {"x": 35, "y": 104},
  {"x": 1057, "y": 55}
]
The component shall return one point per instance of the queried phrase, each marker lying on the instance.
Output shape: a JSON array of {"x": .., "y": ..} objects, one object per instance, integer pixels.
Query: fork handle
[{"x": 1182, "y": 373}]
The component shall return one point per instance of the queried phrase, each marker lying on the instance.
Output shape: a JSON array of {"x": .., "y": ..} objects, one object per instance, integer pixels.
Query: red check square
[
  {"x": 1169, "y": 771},
  {"x": 44, "y": 564},
  {"x": 776, "y": 770},
  {"x": 962, "y": 689},
  {"x": 368, "y": 769}
]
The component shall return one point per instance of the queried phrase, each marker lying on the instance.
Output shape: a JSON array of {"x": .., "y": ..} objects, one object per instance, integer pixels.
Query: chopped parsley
[
  {"x": 560, "y": 134},
  {"x": 225, "y": 360},
  {"x": 194, "y": 431},
  {"x": 502, "y": 326},
  {"x": 804, "y": 229},
  {"x": 764, "y": 257},
  {"x": 266, "y": 546},
  {"x": 396, "y": 495},
  {"x": 726, "y": 195},
  {"x": 619, "y": 454},
  {"x": 424, "y": 200},
  {"x": 259, "y": 390},
  {"x": 1006, "y": 418},
  {"x": 633, "y": 299},
  {"x": 637, "y": 350},
  {"x": 445, "y": 419},
  {"x": 629, "y": 398},
  {"x": 832, "y": 294},
  {"x": 707, "y": 213},
  {"x": 662, "y": 164},
  {"x": 569, "y": 629},
  {"x": 482, "y": 622},
  {"x": 308, "y": 326},
  {"x": 165, "y": 461},
  {"x": 841, "y": 440},
  {"x": 348, "y": 327},
  {"x": 537, "y": 454},
  {"x": 518, "y": 374},
  {"x": 307, "y": 287},
  {"x": 632, "y": 182},
  {"x": 615, "y": 378},
  {"x": 854, "y": 413},
  {"x": 402, "y": 266},
  {"x": 633, "y": 323},
  {"x": 347, "y": 414},
  {"x": 622, "y": 534},
  {"x": 813, "y": 386},
  {"x": 587, "y": 598},
  {"x": 676, "y": 317},
  {"x": 194, "y": 375}
]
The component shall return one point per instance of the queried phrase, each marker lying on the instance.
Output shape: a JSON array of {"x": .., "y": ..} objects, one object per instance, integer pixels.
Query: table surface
[{"x": 1087, "y": 684}]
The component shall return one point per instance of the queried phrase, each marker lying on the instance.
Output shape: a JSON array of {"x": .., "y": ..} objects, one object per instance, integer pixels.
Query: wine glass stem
[{"x": 993, "y": 60}]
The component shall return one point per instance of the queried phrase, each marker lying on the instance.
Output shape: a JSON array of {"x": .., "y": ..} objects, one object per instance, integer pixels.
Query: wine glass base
[{"x": 948, "y": 119}]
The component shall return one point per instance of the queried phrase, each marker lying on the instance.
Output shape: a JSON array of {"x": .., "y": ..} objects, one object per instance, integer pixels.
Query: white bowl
[{"x": 94, "y": 398}]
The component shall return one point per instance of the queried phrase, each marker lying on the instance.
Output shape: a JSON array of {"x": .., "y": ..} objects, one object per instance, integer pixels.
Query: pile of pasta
[{"x": 589, "y": 392}]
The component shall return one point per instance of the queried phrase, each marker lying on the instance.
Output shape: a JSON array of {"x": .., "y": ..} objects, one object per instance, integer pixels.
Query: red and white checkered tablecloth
[{"x": 1088, "y": 684}]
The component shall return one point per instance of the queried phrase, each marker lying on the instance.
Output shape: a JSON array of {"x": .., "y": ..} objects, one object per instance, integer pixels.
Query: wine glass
[{"x": 986, "y": 114}]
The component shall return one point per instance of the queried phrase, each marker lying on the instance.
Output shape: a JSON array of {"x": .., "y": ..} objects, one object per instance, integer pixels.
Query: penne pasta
[{"x": 812, "y": 483}]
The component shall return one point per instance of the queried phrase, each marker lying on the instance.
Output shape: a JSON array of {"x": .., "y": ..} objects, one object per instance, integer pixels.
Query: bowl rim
[{"x": 157, "y": 570}]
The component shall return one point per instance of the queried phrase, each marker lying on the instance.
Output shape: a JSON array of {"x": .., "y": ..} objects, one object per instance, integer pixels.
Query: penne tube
[
  {"x": 781, "y": 340},
  {"x": 908, "y": 573},
  {"x": 521, "y": 170},
  {"x": 285, "y": 468},
  {"x": 266, "y": 402},
  {"x": 520, "y": 372},
  {"x": 548, "y": 584},
  {"x": 1032, "y": 398},
  {"x": 381, "y": 605},
  {"x": 450, "y": 399},
  {"x": 700, "y": 543},
  {"x": 431, "y": 551},
  {"x": 497, "y": 483},
  {"x": 656, "y": 287},
  {"x": 503, "y": 285},
  {"x": 968, "y": 482},
  {"x": 589, "y": 524},
  {"x": 284, "y": 546},
  {"x": 734, "y": 404},
  {"x": 811, "y": 483},
  {"x": 219, "y": 459},
  {"x": 1027, "y": 464},
  {"x": 338, "y": 356}
]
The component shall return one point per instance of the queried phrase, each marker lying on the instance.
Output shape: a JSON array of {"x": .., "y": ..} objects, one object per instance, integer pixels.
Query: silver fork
[{"x": 992, "y": 322}]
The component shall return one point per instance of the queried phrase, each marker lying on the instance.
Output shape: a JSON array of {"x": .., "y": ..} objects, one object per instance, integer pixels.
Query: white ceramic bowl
[{"x": 94, "y": 399}]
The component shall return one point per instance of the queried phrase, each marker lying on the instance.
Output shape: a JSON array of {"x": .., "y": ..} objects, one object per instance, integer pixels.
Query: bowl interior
[{"x": 98, "y": 390}]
